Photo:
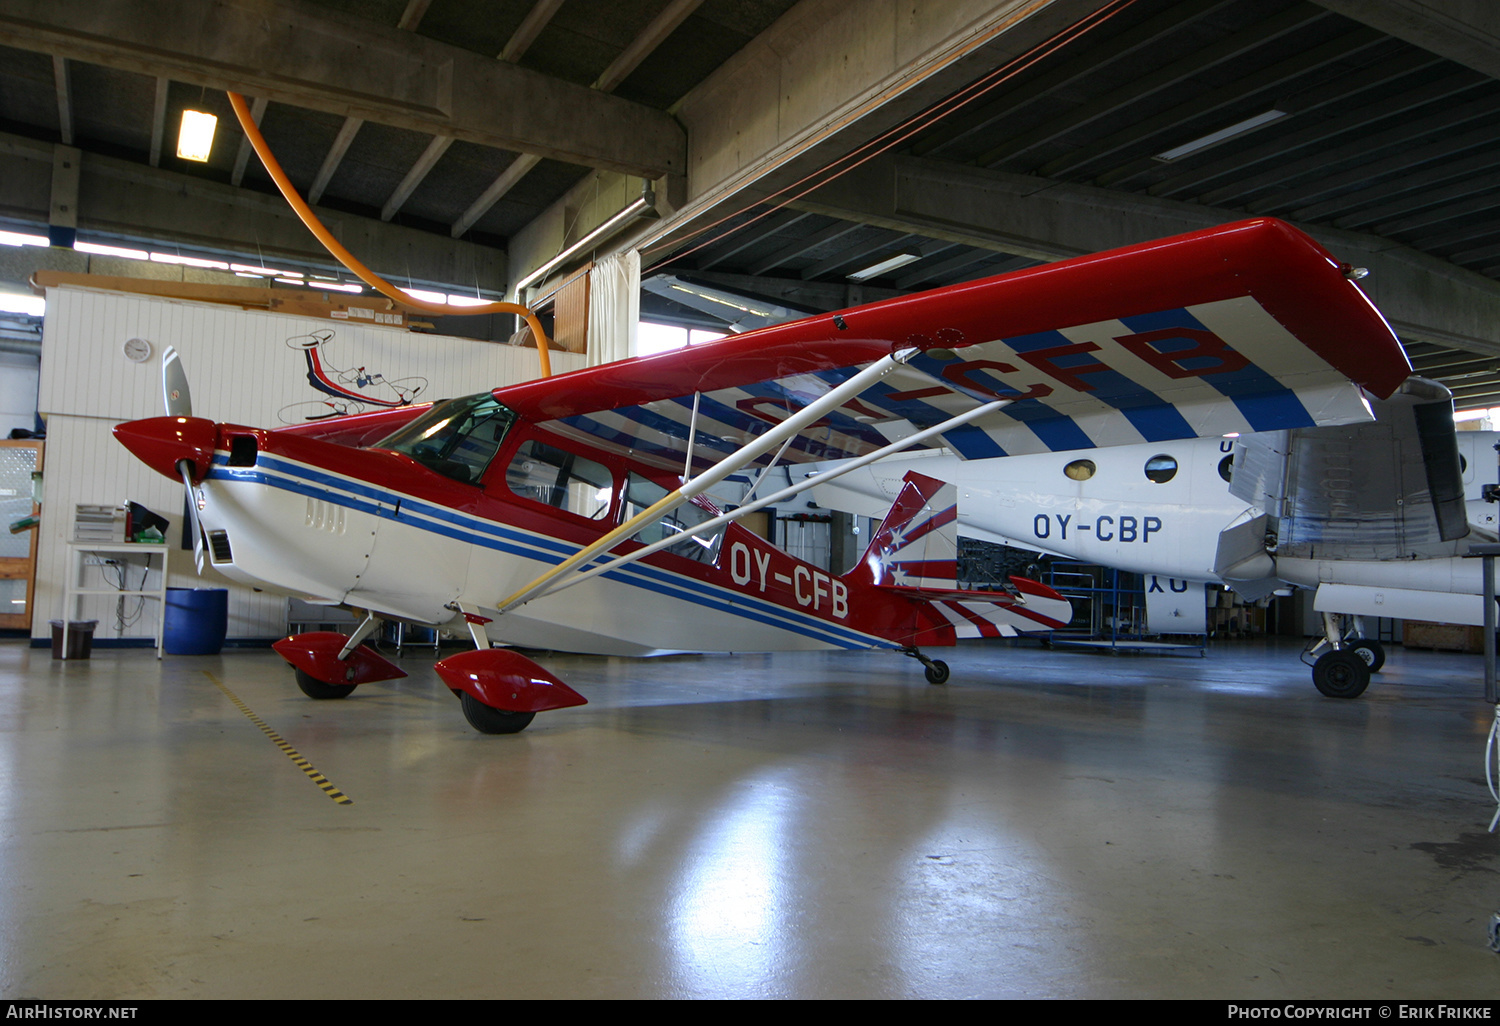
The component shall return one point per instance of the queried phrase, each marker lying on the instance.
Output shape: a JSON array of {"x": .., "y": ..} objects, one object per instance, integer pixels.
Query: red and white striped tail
[
  {"x": 1035, "y": 607},
  {"x": 916, "y": 545},
  {"x": 915, "y": 551}
]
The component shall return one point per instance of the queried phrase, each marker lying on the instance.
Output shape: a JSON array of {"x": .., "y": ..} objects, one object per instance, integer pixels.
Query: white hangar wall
[{"x": 245, "y": 367}]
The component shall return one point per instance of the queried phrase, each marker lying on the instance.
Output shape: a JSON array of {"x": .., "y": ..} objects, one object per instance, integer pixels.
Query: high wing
[{"x": 1245, "y": 327}]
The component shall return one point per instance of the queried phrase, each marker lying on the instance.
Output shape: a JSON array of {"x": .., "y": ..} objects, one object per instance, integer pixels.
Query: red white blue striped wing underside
[{"x": 1245, "y": 328}]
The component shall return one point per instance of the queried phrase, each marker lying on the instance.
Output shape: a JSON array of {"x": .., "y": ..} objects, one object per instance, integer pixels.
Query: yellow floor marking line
[{"x": 287, "y": 750}]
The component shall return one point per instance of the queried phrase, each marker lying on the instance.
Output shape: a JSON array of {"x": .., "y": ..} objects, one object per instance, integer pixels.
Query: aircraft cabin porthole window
[
  {"x": 1463, "y": 464},
  {"x": 1080, "y": 470},
  {"x": 1226, "y": 467},
  {"x": 1161, "y": 469}
]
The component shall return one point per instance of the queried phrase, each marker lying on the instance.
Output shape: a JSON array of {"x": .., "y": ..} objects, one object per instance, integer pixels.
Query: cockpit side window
[
  {"x": 457, "y": 438},
  {"x": 560, "y": 478}
]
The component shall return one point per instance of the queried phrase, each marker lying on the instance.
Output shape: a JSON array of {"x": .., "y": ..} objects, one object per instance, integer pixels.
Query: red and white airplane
[{"x": 571, "y": 512}]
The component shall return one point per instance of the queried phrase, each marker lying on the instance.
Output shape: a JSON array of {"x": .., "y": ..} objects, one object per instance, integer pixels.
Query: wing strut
[
  {"x": 785, "y": 493},
  {"x": 794, "y": 424}
]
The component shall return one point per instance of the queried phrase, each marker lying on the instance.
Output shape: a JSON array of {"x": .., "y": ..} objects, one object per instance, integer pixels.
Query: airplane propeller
[
  {"x": 178, "y": 400},
  {"x": 176, "y": 396}
]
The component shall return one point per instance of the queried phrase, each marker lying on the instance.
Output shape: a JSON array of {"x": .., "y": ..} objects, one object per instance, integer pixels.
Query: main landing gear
[
  {"x": 500, "y": 691},
  {"x": 935, "y": 670},
  {"x": 1343, "y": 671}
]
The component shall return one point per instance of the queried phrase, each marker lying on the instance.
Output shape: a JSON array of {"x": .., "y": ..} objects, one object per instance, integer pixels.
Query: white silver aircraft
[{"x": 1374, "y": 517}]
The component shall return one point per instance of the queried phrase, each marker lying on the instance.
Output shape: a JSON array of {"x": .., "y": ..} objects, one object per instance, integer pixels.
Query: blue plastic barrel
[{"x": 197, "y": 620}]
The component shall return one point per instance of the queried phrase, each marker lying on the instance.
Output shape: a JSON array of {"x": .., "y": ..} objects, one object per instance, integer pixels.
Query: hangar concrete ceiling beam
[
  {"x": 412, "y": 16},
  {"x": 309, "y": 56},
  {"x": 1231, "y": 48},
  {"x": 1092, "y": 60},
  {"x": 64, "y": 100},
  {"x": 1423, "y": 297},
  {"x": 121, "y": 197},
  {"x": 159, "y": 121},
  {"x": 831, "y": 75},
  {"x": 652, "y": 36},
  {"x": 1328, "y": 195},
  {"x": 1169, "y": 127},
  {"x": 334, "y": 158},
  {"x": 1466, "y": 31},
  {"x": 1337, "y": 140},
  {"x": 1338, "y": 93},
  {"x": 778, "y": 222},
  {"x": 242, "y": 158}
]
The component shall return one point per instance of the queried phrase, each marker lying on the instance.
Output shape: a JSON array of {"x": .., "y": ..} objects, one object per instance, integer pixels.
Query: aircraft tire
[
  {"x": 1371, "y": 651},
  {"x": 936, "y": 672},
  {"x": 312, "y": 687},
  {"x": 1341, "y": 674},
  {"x": 489, "y": 720}
]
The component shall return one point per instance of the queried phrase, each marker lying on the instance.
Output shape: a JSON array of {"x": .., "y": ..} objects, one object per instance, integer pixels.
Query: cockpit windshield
[{"x": 456, "y": 438}]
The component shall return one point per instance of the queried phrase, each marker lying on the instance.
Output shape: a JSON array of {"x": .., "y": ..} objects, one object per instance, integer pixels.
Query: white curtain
[{"x": 614, "y": 307}]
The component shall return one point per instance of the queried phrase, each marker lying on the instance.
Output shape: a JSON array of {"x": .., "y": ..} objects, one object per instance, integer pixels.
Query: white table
[{"x": 77, "y": 551}]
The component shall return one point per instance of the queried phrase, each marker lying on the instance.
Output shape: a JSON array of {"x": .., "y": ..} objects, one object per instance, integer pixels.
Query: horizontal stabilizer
[{"x": 1000, "y": 614}]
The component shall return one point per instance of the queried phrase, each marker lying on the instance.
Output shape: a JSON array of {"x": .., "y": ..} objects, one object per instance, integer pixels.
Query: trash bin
[
  {"x": 80, "y": 638},
  {"x": 197, "y": 619}
]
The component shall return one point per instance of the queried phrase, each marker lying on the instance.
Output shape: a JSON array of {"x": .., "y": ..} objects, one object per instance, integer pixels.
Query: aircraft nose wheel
[{"x": 1341, "y": 674}]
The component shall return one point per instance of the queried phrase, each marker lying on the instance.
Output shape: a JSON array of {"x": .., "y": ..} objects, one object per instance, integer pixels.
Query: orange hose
[{"x": 343, "y": 256}]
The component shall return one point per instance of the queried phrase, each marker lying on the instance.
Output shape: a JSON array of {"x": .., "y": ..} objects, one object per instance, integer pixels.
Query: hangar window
[
  {"x": 1161, "y": 469},
  {"x": 457, "y": 438},
  {"x": 1080, "y": 470},
  {"x": 561, "y": 479},
  {"x": 641, "y": 493}
]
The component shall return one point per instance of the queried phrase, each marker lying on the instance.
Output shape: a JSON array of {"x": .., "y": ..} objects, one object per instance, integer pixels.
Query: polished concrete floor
[{"x": 1063, "y": 824}]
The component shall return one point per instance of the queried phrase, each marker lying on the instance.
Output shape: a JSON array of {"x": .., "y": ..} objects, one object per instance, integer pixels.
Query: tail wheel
[
  {"x": 488, "y": 720},
  {"x": 312, "y": 687},
  {"x": 1341, "y": 674},
  {"x": 936, "y": 672},
  {"x": 1369, "y": 650}
]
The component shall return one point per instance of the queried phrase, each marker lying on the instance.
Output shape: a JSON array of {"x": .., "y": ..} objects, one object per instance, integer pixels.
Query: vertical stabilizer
[{"x": 917, "y": 544}]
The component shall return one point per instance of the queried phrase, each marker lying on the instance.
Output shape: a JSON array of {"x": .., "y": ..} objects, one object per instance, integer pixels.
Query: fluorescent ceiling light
[
  {"x": 20, "y": 239},
  {"x": 1213, "y": 138},
  {"x": 269, "y": 272},
  {"x": 743, "y": 305},
  {"x": 339, "y": 286},
  {"x": 114, "y": 251},
  {"x": 466, "y": 301},
  {"x": 890, "y": 263},
  {"x": 11, "y": 302},
  {"x": 636, "y": 209},
  {"x": 425, "y": 296},
  {"x": 196, "y": 138}
]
